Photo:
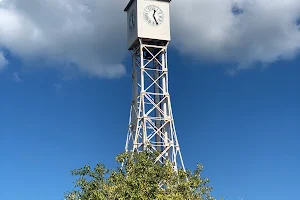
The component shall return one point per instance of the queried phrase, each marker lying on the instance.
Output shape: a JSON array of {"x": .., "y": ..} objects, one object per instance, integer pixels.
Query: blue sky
[{"x": 244, "y": 129}]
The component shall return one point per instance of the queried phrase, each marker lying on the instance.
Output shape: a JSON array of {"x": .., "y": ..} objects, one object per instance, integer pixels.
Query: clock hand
[{"x": 155, "y": 17}]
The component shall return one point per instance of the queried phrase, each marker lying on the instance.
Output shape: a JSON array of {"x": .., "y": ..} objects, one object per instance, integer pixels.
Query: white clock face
[
  {"x": 153, "y": 15},
  {"x": 132, "y": 20}
]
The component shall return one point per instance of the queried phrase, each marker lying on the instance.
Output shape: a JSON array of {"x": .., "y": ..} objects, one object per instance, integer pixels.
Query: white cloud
[
  {"x": 90, "y": 35},
  {"x": 80, "y": 33},
  {"x": 265, "y": 31},
  {"x": 3, "y": 61}
]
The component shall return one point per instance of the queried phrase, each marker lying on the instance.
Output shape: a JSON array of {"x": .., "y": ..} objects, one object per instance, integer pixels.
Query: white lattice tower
[{"x": 151, "y": 123}]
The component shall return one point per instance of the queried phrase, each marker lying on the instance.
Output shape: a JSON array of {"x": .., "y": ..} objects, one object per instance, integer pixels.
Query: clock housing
[{"x": 152, "y": 20}]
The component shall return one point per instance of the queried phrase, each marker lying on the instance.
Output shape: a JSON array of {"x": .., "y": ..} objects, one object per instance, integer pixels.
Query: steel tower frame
[{"x": 151, "y": 122}]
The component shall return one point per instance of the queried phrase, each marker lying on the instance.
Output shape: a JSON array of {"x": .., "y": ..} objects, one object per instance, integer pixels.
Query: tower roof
[{"x": 131, "y": 1}]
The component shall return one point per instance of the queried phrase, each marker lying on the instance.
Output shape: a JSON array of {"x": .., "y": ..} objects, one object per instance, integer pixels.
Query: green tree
[{"x": 140, "y": 178}]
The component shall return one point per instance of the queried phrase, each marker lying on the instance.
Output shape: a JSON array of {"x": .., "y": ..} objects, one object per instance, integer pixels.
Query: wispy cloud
[
  {"x": 16, "y": 77},
  {"x": 3, "y": 61},
  {"x": 57, "y": 87}
]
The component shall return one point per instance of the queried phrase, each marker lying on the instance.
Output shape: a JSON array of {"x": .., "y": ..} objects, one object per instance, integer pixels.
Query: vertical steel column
[{"x": 151, "y": 125}]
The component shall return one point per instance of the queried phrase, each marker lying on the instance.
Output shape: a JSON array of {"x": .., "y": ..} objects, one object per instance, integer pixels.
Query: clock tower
[
  {"x": 151, "y": 123},
  {"x": 148, "y": 19}
]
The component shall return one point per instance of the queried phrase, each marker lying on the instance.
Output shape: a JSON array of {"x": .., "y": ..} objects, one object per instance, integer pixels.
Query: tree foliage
[{"x": 140, "y": 178}]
